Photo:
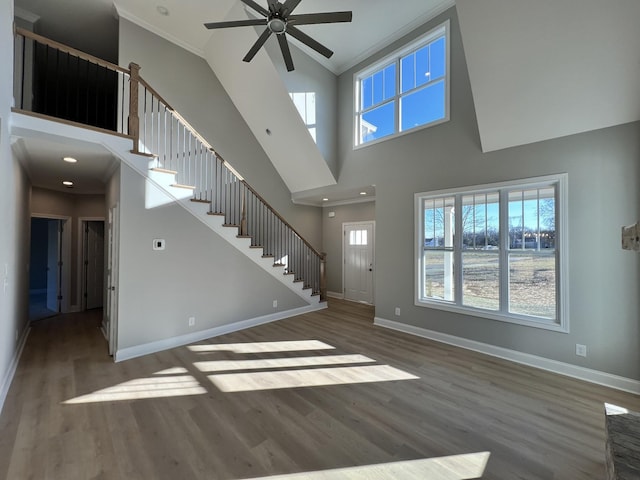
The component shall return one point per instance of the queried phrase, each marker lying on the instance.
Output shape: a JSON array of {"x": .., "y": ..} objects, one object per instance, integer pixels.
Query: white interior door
[
  {"x": 110, "y": 320},
  {"x": 53, "y": 265},
  {"x": 358, "y": 252},
  {"x": 94, "y": 291}
]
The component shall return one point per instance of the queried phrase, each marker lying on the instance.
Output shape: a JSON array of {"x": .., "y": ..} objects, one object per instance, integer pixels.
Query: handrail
[
  {"x": 66, "y": 49},
  {"x": 182, "y": 120},
  {"x": 250, "y": 188},
  {"x": 132, "y": 108}
]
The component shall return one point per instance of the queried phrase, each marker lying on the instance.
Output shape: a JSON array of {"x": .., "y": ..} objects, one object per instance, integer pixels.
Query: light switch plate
[{"x": 159, "y": 243}]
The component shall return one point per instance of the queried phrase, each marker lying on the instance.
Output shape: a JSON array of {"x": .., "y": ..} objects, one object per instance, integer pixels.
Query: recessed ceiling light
[
  {"x": 363, "y": 193},
  {"x": 70, "y": 160},
  {"x": 67, "y": 183},
  {"x": 325, "y": 199},
  {"x": 162, "y": 10}
]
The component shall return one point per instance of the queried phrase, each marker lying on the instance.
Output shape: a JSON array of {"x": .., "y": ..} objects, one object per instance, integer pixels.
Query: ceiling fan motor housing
[{"x": 277, "y": 25}]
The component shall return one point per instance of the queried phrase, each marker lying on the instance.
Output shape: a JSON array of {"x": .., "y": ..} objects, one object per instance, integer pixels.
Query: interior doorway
[
  {"x": 49, "y": 267},
  {"x": 92, "y": 264},
  {"x": 358, "y": 261}
]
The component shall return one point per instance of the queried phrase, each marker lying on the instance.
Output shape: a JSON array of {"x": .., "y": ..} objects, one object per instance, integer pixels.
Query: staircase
[{"x": 171, "y": 154}]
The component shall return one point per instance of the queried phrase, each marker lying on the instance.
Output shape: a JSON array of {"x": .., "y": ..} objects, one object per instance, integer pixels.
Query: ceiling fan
[{"x": 278, "y": 20}]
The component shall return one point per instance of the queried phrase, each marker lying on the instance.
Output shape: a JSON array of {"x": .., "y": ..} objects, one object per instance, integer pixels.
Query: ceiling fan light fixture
[{"x": 277, "y": 25}]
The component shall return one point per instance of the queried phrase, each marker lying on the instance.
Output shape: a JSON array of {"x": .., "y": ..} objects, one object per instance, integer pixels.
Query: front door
[{"x": 358, "y": 252}]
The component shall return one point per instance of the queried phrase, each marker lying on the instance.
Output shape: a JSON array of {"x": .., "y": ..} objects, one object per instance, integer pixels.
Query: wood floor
[{"x": 323, "y": 396}]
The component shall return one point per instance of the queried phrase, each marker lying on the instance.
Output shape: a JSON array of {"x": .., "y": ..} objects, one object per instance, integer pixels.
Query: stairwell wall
[
  {"x": 187, "y": 82},
  {"x": 198, "y": 274}
]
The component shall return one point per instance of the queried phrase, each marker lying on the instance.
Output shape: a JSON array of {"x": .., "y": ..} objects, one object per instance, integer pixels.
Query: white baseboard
[
  {"x": 567, "y": 369},
  {"x": 335, "y": 295},
  {"x": 173, "y": 342},
  {"x": 11, "y": 371}
]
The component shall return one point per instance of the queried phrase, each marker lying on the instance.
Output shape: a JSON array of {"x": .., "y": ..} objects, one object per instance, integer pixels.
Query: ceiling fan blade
[
  {"x": 286, "y": 53},
  {"x": 273, "y": 5},
  {"x": 256, "y": 46},
  {"x": 256, "y": 7},
  {"x": 288, "y": 7},
  {"x": 313, "y": 18},
  {"x": 308, "y": 41},
  {"x": 236, "y": 23}
]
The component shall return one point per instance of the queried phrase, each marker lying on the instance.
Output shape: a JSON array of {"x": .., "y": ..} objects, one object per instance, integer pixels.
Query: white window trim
[
  {"x": 392, "y": 58},
  {"x": 561, "y": 324}
]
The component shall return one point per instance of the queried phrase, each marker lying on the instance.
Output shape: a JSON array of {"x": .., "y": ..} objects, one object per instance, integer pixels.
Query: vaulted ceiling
[{"x": 538, "y": 70}]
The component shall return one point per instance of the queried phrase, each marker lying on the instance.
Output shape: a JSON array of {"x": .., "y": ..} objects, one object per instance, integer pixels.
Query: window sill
[
  {"x": 403, "y": 133},
  {"x": 514, "y": 319}
]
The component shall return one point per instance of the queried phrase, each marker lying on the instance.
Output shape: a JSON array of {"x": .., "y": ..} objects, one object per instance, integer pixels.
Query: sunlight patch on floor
[
  {"x": 144, "y": 388},
  {"x": 455, "y": 467},
  {"x": 229, "y": 365},
  {"x": 254, "y": 381},
  {"x": 172, "y": 371},
  {"x": 263, "y": 347},
  {"x": 611, "y": 409}
]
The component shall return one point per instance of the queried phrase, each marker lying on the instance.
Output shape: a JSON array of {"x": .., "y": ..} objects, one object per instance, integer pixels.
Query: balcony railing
[{"x": 53, "y": 80}]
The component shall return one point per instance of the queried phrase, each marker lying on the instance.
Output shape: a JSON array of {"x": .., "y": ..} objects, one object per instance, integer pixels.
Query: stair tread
[
  {"x": 218, "y": 214},
  {"x": 199, "y": 200},
  {"x": 164, "y": 170},
  {"x": 143, "y": 154}
]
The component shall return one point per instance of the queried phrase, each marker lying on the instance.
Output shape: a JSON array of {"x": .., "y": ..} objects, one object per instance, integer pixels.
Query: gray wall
[
  {"x": 199, "y": 274},
  {"x": 332, "y": 237},
  {"x": 310, "y": 76},
  {"x": 188, "y": 84},
  {"x": 14, "y": 217},
  {"x": 603, "y": 169}
]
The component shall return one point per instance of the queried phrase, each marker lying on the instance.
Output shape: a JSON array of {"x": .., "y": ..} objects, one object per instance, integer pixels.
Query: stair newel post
[
  {"x": 323, "y": 277},
  {"x": 134, "y": 118}
]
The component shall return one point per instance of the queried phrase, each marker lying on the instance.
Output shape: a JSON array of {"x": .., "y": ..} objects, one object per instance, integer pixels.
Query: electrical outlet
[
  {"x": 192, "y": 321},
  {"x": 397, "y": 311},
  {"x": 581, "y": 350},
  {"x": 275, "y": 304}
]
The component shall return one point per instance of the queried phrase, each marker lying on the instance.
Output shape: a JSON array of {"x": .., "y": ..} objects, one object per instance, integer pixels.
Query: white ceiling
[
  {"x": 376, "y": 24},
  {"x": 42, "y": 158}
]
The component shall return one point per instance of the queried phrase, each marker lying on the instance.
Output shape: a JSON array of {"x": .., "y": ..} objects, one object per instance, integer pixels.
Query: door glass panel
[{"x": 358, "y": 237}]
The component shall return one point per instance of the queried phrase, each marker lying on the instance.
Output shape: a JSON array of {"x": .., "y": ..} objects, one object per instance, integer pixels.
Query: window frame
[
  {"x": 560, "y": 182},
  {"x": 396, "y": 57}
]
